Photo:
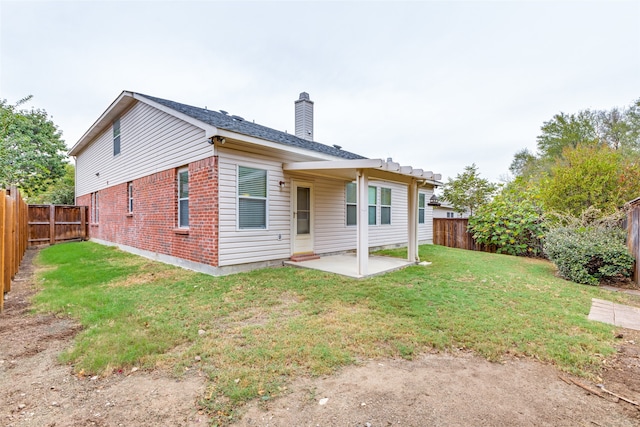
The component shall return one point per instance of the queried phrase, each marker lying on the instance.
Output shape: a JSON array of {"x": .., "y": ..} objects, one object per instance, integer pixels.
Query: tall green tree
[
  {"x": 32, "y": 152},
  {"x": 467, "y": 191},
  {"x": 590, "y": 176},
  {"x": 61, "y": 192},
  {"x": 567, "y": 130}
]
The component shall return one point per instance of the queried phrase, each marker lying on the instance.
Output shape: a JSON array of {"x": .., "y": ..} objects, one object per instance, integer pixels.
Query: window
[
  {"x": 183, "y": 198},
  {"x": 352, "y": 205},
  {"x": 116, "y": 137},
  {"x": 385, "y": 206},
  {"x": 130, "y": 197},
  {"x": 450, "y": 215},
  {"x": 252, "y": 198},
  {"x": 421, "y": 204},
  {"x": 373, "y": 205},
  {"x": 94, "y": 207}
]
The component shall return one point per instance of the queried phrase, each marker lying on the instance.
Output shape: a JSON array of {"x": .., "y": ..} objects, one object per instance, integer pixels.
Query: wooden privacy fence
[
  {"x": 13, "y": 237},
  {"x": 51, "y": 224},
  {"x": 452, "y": 232},
  {"x": 633, "y": 236}
]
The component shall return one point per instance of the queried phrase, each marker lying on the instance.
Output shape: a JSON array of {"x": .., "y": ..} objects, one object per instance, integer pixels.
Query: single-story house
[{"x": 216, "y": 193}]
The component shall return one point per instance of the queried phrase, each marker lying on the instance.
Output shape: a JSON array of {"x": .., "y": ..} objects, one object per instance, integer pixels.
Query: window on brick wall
[
  {"x": 252, "y": 198},
  {"x": 95, "y": 210},
  {"x": 183, "y": 198},
  {"x": 130, "y": 197},
  {"x": 116, "y": 137},
  {"x": 421, "y": 207}
]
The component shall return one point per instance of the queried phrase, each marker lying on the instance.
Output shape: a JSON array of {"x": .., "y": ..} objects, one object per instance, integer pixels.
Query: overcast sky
[{"x": 433, "y": 84}]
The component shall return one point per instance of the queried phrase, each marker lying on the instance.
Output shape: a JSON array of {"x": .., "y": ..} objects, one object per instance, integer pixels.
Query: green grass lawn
[{"x": 254, "y": 331}]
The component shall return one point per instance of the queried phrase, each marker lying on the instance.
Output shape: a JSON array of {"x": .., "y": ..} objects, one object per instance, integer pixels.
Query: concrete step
[{"x": 303, "y": 257}]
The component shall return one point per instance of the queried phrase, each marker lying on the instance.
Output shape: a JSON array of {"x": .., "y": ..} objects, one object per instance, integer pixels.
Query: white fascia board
[
  {"x": 334, "y": 164},
  {"x": 274, "y": 145},
  {"x": 209, "y": 130}
]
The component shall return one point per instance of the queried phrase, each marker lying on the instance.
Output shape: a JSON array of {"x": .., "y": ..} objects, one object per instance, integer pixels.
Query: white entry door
[{"x": 302, "y": 217}]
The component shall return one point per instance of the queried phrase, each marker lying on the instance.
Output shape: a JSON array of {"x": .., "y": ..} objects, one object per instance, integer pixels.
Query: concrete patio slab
[
  {"x": 615, "y": 314},
  {"x": 346, "y": 265}
]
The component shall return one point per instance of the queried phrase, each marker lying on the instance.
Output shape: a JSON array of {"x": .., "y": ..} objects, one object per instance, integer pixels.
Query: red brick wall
[{"x": 153, "y": 224}]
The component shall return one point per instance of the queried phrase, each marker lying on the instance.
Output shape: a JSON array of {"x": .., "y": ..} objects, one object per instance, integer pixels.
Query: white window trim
[
  {"x": 423, "y": 208},
  {"x": 238, "y": 197},
  {"x": 387, "y": 206},
  {"x": 347, "y": 203},
  {"x": 119, "y": 136},
  {"x": 130, "y": 197},
  {"x": 180, "y": 170},
  {"x": 95, "y": 208},
  {"x": 376, "y": 205}
]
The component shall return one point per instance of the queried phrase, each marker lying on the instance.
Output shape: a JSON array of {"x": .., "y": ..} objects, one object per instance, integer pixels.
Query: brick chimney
[{"x": 304, "y": 117}]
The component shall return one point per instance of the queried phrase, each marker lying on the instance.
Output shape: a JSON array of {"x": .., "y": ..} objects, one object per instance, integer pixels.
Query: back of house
[{"x": 215, "y": 193}]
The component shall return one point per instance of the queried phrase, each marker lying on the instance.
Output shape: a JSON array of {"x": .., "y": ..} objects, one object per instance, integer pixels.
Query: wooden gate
[{"x": 51, "y": 224}]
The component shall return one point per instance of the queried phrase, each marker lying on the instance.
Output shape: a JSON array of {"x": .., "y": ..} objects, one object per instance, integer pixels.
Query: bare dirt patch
[
  {"x": 36, "y": 390},
  {"x": 434, "y": 389}
]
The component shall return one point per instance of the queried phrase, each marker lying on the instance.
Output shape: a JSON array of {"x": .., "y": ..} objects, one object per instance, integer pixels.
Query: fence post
[{"x": 52, "y": 224}]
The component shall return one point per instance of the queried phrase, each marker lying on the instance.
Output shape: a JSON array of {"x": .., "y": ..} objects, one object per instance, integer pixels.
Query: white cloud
[{"x": 437, "y": 85}]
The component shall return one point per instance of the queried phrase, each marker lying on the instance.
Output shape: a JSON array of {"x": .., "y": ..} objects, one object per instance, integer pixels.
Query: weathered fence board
[
  {"x": 13, "y": 237},
  {"x": 51, "y": 224},
  {"x": 633, "y": 236},
  {"x": 452, "y": 232}
]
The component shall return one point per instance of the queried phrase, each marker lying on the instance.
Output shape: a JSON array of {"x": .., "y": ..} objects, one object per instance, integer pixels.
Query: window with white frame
[
  {"x": 373, "y": 205},
  {"x": 183, "y": 198},
  {"x": 421, "y": 207},
  {"x": 116, "y": 137},
  {"x": 252, "y": 198},
  {"x": 130, "y": 197},
  {"x": 95, "y": 210},
  {"x": 352, "y": 203},
  {"x": 450, "y": 215},
  {"x": 385, "y": 206}
]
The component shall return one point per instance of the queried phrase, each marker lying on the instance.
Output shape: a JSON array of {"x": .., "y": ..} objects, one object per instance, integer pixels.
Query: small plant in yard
[
  {"x": 589, "y": 255},
  {"x": 252, "y": 333}
]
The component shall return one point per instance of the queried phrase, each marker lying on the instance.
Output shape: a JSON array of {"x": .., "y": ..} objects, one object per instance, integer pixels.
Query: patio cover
[{"x": 361, "y": 170}]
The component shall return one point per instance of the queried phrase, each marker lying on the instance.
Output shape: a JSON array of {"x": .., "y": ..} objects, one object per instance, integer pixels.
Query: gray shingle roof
[{"x": 227, "y": 122}]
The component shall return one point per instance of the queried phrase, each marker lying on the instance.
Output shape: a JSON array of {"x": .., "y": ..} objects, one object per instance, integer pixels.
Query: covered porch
[
  {"x": 361, "y": 171},
  {"x": 346, "y": 265}
]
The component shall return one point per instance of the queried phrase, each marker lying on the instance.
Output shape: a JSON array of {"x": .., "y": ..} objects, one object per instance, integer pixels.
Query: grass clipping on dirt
[{"x": 251, "y": 332}]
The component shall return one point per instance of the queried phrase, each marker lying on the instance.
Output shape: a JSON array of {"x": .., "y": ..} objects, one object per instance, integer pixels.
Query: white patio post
[
  {"x": 412, "y": 223},
  {"x": 362, "y": 247}
]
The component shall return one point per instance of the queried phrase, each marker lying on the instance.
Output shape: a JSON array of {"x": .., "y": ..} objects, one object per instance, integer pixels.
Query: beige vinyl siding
[
  {"x": 425, "y": 231},
  {"x": 151, "y": 141},
  {"x": 331, "y": 232},
  {"x": 244, "y": 246},
  {"x": 333, "y": 235}
]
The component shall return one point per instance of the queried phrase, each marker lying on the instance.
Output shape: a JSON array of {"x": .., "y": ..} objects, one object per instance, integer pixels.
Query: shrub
[
  {"x": 512, "y": 223},
  {"x": 589, "y": 255}
]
